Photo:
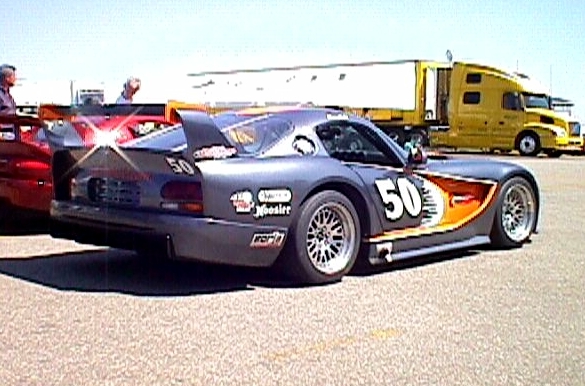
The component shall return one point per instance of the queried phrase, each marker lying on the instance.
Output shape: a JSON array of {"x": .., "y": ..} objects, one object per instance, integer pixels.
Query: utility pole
[{"x": 550, "y": 80}]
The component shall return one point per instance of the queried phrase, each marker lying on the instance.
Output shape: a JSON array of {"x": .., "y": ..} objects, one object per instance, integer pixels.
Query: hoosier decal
[
  {"x": 269, "y": 202},
  {"x": 272, "y": 210},
  {"x": 273, "y": 202}
]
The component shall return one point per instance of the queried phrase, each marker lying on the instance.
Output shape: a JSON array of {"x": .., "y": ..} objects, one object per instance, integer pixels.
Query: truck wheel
[
  {"x": 324, "y": 241},
  {"x": 528, "y": 144},
  {"x": 516, "y": 212}
]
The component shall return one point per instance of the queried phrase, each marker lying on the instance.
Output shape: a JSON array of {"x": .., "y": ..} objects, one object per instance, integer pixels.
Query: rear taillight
[
  {"x": 182, "y": 195},
  {"x": 33, "y": 166}
]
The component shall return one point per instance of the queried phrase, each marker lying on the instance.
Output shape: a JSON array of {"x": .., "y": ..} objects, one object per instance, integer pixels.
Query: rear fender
[{"x": 235, "y": 189}]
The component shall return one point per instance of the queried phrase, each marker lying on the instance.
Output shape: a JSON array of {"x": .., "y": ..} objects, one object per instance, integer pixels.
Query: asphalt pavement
[{"x": 80, "y": 315}]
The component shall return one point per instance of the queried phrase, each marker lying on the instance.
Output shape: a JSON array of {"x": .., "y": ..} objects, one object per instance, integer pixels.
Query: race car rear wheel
[
  {"x": 516, "y": 214},
  {"x": 325, "y": 239}
]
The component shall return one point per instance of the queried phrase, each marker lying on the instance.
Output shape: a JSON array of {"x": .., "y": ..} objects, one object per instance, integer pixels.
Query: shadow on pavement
[
  {"x": 123, "y": 272},
  {"x": 22, "y": 223}
]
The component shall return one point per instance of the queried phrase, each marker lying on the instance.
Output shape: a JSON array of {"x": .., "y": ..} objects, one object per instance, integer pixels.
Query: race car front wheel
[
  {"x": 325, "y": 240},
  {"x": 516, "y": 214}
]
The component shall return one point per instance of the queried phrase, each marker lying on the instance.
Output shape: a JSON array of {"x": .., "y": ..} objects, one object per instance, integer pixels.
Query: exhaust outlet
[{"x": 384, "y": 252}]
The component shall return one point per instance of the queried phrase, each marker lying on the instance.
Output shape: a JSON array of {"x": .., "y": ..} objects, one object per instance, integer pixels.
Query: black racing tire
[
  {"x": 319, "y": 217},
  {"x": 516, "y": 214}
]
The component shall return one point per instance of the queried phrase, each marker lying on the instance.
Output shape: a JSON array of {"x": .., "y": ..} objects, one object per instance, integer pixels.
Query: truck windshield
[
  {"x": 536, "y": 101},
  {"x": 575, "y": 128}
]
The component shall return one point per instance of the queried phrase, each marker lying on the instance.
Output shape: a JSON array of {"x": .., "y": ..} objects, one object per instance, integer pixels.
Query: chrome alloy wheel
[
  {"x": 527, "y": 145},
  {"x": 331, "y": 238},
  {"x": 518, "y": 212}
]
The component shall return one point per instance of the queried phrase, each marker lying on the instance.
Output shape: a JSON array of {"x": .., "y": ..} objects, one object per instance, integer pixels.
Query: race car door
[{"x": 397, "y": 196}]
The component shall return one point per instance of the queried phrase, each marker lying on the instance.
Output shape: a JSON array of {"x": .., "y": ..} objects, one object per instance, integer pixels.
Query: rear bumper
[
  {"x": 27, "y": 194},
  {"x": 172, "y": 236}
]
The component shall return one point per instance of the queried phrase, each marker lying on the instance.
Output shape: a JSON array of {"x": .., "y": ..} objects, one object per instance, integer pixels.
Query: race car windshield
[{"x": 251, "y": 135}]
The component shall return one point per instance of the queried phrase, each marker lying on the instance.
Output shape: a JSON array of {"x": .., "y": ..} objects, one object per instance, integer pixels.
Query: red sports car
[
  {"x": 25, "y": 172},
  {"x": 25, "y": 158}
]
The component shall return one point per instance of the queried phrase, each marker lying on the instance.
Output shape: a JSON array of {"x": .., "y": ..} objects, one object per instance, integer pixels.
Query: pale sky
[{"x": 110, "y": 40}]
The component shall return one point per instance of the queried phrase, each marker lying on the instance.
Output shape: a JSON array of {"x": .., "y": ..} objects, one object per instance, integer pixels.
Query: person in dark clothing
[
  {"x": 7, "y": 81},
  {"x": 7, "y": 104}
]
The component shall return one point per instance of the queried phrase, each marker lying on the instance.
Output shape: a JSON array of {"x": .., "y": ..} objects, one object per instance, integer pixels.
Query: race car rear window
[
  {"x": 248, "y": 134},
  {"x": 254, "y": 134}
]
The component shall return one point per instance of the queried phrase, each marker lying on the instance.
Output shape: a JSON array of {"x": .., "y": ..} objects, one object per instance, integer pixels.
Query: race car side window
[{"x": 353, "y": 142}]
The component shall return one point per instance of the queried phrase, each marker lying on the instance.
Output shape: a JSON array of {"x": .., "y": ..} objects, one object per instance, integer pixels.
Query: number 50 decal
[
  {"x": 399, "y": 197},
  {"x": 180, "y": 166}
]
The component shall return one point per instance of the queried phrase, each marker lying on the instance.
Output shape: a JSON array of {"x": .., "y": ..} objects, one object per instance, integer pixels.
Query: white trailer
[
  {"x": 390, "y": 85},
  {"x": 31, "y": 93}
]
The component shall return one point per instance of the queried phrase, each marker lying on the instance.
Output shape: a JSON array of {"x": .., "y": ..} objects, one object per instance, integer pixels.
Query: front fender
[{"x": 548, "y": 134}]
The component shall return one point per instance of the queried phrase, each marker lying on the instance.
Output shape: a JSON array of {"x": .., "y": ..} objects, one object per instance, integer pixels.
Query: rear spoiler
[
  {"x": 51, "y": 112},
  {"x": 10, "y": 126},
  {"x": 21, "y": 120},
  {"x": 204, "y": 139}
]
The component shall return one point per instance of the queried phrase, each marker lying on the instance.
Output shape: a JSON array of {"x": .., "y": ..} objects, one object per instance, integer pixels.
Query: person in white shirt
[{"x": 130, "y": 88}]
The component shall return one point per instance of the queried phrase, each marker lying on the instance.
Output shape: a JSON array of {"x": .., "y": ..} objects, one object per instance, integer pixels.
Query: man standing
[
  {"x": 131, "y": 87},
  {"x": 7, "y": 81}
]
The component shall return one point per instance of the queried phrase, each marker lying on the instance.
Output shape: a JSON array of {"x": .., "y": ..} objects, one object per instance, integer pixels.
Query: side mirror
[{"x": 416, "y": 155}]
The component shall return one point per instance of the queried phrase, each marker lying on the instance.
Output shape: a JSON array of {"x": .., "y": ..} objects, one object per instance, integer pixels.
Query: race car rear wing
[
  {"x": 204, "y": 139},
  {"x": 51, "y": 112}
]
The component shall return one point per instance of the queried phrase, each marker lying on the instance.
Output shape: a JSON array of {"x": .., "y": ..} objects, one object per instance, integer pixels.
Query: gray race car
[{"x": 309, "y": 189}]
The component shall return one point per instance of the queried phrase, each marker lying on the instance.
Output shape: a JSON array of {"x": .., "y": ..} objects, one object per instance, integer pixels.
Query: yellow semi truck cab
[{"x": 496, "y": 110}]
